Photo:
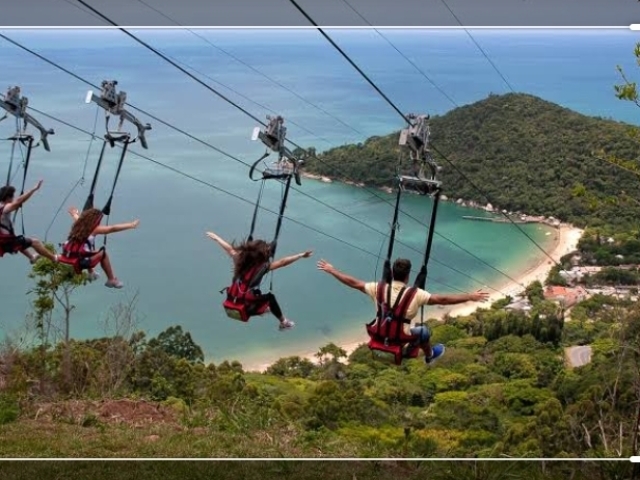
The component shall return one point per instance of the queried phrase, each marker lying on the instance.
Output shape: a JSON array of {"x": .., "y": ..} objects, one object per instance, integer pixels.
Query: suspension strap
[
  {"x": 89, "y": 203},
  {"x": 386, "y": 272},
  {"x": 255, "y": 211},
  {"x": 421, "y": 278},
  {"x": 13, "y": 151},
  {"x": 29, "y": 141},
  {"x": 106, "y": 210},
  {"x": 283, "y": 205}
]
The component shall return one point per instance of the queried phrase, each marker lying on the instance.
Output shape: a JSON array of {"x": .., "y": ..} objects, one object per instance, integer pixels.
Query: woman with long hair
[
  {"x": 80, "y": 251},
  {"x": 250, "y": 264}
]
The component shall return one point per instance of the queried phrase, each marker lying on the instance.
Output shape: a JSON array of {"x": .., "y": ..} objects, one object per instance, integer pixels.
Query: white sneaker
[
  {"x": 115, "y": 283},
  {"x": 287, "y": 324},
  {"x": 93, "y": 276}
]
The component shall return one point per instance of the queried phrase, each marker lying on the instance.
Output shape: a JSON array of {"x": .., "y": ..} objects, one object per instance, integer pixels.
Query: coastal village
[{"x": 580, "y": 286}]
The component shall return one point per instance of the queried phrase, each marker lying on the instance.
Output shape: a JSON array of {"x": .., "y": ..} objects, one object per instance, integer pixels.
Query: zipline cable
[
  {"x": 228, "y": 155},
  {"x": 406, "y": 119},
  {"x": 464, "y": 274},
  {"x": 419, "y": 70},
  {"x": 54, "y": 64},
  {"x": 234, "y": 195},
  {"x": 272, "y": 80}
]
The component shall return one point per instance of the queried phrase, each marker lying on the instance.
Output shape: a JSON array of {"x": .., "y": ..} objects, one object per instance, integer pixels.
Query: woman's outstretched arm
[
  {"x": 225, "y": 245},
  {"x": 119, "y": 227},
  {"x": 283, "y": 262}
]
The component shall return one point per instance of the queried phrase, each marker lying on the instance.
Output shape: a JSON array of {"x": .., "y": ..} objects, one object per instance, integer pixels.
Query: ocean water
[{"x": 175, "y": 270}]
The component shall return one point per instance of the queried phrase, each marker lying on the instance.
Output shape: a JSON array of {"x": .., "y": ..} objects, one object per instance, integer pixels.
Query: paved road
[{"x": 578, "y": 356}]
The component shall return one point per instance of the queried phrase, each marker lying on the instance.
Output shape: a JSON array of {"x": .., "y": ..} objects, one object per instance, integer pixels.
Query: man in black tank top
[{"x": 9, "y": 241}]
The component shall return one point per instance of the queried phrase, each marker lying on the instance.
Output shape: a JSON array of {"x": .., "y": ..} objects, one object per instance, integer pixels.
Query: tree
[
  {"x": 628, "y": 91},
  {"x": 291, "y": 367},
  {"x": 567, "y": 183},
  {"x": 55, "y": 285},
  {"x": 535, "y": 292},
  {"x": 330, "y": 350},
  {"x": 176, "y": 343}
]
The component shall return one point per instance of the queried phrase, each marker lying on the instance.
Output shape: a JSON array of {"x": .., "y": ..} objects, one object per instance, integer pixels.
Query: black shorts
[
  {"x": 18, "y": 243},
  {"x": 90, "y": 261}
]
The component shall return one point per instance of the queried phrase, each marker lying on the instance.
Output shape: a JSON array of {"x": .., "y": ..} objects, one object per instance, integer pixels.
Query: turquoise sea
[{"x": 175, "y": 270}]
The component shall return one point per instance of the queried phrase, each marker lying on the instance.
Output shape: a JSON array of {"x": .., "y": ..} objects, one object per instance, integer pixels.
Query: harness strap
[
  {"x": 73, "y": 249},
  {"x": 75, "y": 255},
  {"x": 250, "y": 279},
  {"x": 402, "y": 308},
  {"x": 258, "y": 273},
  {"x": 382, "y": 301},
  {"x": 8, "y": 228},
  {"x": 396, "y": 312}
]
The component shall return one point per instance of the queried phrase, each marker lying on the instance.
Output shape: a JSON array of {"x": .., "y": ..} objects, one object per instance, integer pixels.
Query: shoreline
[
  {"x": 565, "y": 241},
  {"x": 520, "y": 217}
]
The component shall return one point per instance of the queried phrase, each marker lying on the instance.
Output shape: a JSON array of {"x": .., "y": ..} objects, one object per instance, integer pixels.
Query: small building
[
  {"x": 568, "y": 297},
  {"x": 521, "y": 304}
]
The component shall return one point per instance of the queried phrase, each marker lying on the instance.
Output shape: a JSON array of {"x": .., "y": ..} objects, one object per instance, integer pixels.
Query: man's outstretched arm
[
  {"x": 479, "y": 296},
  {"x": 348, "y": 280}
]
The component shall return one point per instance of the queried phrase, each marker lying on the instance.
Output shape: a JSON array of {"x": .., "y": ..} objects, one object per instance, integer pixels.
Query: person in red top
[
  {"x": 80, "y": 250},
  {"x": 251, "y": 254}
]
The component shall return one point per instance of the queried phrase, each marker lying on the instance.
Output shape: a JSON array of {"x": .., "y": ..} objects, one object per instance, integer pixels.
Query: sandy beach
[{"x": 566, "y": 239}]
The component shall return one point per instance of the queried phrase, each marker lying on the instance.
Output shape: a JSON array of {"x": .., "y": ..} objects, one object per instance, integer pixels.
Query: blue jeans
[{"x": 422, "y": 333}]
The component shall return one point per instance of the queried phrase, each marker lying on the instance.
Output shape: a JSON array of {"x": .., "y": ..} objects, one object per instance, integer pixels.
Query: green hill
[{"x": 525, "y": 153}]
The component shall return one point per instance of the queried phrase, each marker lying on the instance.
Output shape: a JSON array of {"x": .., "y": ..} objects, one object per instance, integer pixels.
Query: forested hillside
[
  {"x": 503, "y": 388},
  {"x": 525, "y": 153}
]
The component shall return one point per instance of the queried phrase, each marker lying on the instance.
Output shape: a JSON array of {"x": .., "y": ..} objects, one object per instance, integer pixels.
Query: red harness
[
  {"x": 74, "y": 252},
  {"x": 386, "y": 331},
  {"x": 242, "y": 295}
]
